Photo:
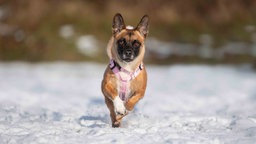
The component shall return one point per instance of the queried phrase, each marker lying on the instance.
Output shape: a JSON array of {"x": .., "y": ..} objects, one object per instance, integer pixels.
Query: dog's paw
[
  {"x": 119, "y": 106},
  {"x": 116, "y": 124}
]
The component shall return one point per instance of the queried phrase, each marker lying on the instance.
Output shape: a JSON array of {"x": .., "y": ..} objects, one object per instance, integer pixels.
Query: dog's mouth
[{"x": 127, "y": 59}]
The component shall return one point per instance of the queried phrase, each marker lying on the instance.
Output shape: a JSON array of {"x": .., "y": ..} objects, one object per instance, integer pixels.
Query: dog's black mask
[{"x": 128, "y": 50}]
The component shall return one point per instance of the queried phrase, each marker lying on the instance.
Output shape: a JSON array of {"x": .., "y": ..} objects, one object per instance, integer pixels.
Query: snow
[{"x": 184, "y": 104}]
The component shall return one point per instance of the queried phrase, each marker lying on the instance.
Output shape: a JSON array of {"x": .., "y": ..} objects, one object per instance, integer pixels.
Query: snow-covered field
[{"x": 62, "y": 103}]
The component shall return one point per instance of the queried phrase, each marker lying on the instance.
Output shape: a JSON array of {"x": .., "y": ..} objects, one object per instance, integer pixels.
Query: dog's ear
[
  {"x": 118, "y": 24},
  {"x": 143, "y": 25}
]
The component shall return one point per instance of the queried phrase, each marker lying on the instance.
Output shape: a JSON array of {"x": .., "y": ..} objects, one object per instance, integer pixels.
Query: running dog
[{"x": 125, "y": 78}]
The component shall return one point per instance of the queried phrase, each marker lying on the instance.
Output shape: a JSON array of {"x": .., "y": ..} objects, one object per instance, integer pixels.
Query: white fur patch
[
  {"x": 129, "y": 27},
  {"x": 119, "y": 106}
]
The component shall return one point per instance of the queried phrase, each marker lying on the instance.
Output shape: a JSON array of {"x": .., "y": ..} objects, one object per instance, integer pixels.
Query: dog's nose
[{"x": 128, "y": 52}]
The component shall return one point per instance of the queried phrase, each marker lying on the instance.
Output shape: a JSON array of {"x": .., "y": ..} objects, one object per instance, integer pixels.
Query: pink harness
[{"x": 124, "y": 82}]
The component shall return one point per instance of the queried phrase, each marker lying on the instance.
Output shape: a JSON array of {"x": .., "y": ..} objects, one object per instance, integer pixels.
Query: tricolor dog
[{"x": 125, "y": 78}]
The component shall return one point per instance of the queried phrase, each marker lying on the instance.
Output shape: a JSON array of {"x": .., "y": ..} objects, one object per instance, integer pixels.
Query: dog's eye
[
  {"x": 121, "y": 41},
  {"x": 136, "y": 44}
]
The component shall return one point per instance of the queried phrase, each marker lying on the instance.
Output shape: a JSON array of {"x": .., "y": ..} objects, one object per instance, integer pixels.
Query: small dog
[{"x": 125, "y": 79}]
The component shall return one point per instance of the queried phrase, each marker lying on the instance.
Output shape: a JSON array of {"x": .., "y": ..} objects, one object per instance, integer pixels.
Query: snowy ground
[{"x": 62, "y": 103}]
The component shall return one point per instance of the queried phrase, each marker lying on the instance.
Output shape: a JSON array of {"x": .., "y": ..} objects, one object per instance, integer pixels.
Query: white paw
[{"x": 119, "y": 106}]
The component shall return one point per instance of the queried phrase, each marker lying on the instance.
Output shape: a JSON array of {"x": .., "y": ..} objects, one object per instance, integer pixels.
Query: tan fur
[{"x": 110, "y": 83}]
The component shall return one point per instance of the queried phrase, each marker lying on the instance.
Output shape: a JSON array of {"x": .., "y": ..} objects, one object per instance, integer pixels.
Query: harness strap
[{"x": 116, "y": 69}]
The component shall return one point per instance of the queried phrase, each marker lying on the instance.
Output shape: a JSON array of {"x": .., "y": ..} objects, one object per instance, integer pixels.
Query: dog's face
[{"x": 129, "y": 41}]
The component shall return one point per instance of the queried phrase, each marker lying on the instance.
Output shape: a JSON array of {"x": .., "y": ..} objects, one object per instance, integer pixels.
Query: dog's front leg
[
  {"x": 116, "y": 119},
  {"x": 119, "y": 106},
  {"x": 119, "y": 111},
  {"x": 115, "y": 104}
]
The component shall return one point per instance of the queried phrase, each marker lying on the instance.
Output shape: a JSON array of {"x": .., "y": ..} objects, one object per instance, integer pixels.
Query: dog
[{"x": 125, "y": 78}]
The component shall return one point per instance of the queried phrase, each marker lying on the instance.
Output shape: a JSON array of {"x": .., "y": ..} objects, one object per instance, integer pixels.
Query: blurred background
[{"x": 188, "y": 31}]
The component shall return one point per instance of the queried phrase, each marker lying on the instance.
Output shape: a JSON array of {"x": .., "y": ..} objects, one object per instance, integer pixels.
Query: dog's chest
[
  {"x": 124, "y": 86},
  {"x": 125, "y": 79}
]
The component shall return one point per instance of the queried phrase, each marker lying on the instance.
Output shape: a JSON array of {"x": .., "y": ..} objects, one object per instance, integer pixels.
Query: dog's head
[{"x": 128, "y": 44}]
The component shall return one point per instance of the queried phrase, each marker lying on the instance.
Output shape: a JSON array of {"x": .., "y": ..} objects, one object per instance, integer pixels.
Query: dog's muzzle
[{"x": 128, "y": 55}]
